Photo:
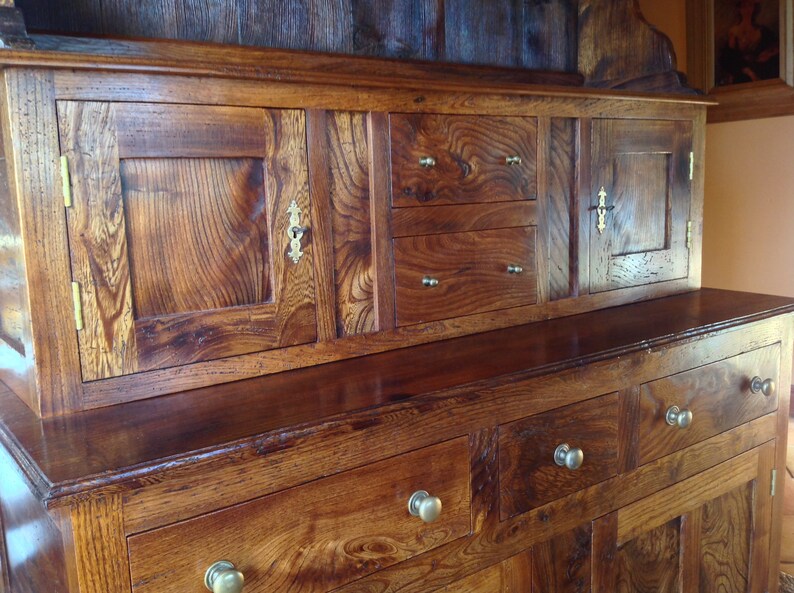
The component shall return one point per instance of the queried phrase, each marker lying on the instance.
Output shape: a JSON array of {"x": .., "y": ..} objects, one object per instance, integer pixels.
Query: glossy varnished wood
[{"x": 564, "y": 563}]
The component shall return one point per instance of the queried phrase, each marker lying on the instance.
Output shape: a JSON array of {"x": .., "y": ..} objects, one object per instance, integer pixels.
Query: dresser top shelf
[{"x": 100, "y": 447}]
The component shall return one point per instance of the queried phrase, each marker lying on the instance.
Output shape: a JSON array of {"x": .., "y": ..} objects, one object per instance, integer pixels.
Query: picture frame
[{"x": 707, "y": 29}]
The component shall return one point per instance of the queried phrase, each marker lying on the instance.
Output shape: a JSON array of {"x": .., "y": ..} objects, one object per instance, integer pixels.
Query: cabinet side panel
[
  {"x": 560, "y": 180},
  {"x": 34, "y": 548}
]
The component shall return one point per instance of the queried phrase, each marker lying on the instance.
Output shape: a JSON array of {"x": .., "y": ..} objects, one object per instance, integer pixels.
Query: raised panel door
[{"x": 180, "y": 232}]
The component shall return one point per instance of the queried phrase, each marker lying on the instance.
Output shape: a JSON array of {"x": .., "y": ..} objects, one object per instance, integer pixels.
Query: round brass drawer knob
[
  {"x": 429, "y": 281},
  {"x": 565, "y": 456},
  {"x": 512, "y": 160},
  {"x": 514, "y": 269},
  {"x": 427, "y": 161},
  {"x": 765, "y": 386},
  {"x": 678, "y": 417},
  {"x": 424, "y": 506},
  {"x": 223, "y": 577}
]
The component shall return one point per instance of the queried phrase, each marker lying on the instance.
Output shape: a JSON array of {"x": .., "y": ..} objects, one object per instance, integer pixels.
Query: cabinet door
[
  {"x": 180, "y": 232},
  {"x": 639, "y": 202},
  {"x": 709, "y": 533}
]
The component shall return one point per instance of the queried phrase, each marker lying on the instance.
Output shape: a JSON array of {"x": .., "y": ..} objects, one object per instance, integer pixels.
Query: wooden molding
[{"x": 756, "y": 100}]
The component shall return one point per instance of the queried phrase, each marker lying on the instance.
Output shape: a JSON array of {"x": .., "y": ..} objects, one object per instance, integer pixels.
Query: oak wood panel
[
  {"x": 564, "y": 563},
  {"x": 197, "y": 234},
  {"x": 457, "y": 218},
  {"x": 100, "y": 548},
  {"x": 356, "y": 522},
  {"x": 472, "y": 273},
  {"x": 149, "y": 130},
  {"x": 401, "y": 29},
  {"x": 469, "y": 155},
  {"x": 30, "y": 118},
  {"x": 560, "y": 225},
  {"x": 718, "y": 395},
  {"x": 98, "y": 240},
  {"x": 649, "y": 562},
  {"x": 528, "y": 475}
]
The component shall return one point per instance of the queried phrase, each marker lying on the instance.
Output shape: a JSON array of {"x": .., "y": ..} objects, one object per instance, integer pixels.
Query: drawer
[
  {"x": 529, "y": 476},
  {"x": 718, "y": 395},
  {"x": 317, "y": 536},
  {"x": 454, "y": 274},
  {"x": 453, "y": 159}
]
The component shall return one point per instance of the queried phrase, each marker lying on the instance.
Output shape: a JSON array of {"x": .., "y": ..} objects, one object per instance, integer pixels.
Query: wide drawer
[
  {"x": 718, "y": 396},
  {"x": 530, "y": 477},
  {"x": 318, "y": 536},
  {"x": 454, "y": 274},
  {"x": 454, "y": 159}
]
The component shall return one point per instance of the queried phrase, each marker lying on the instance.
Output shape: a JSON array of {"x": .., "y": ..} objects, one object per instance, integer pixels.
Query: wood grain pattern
[
  {"x": 494, "y": 36},
  {"x": 471, "y": 269},
  {"x": 564, "y": 563},
  {"x": 718, "y": 395},
  {"x": 528, "y": 475},
  {"x": 196, "y": 233},
  {"x": 98, "y": 240},
  {"x": 560, "y": 180},
  {"x": 550, "y": 36},
  {"x": 649, "y": 563},
  {"x": 458, "y": 218},
  {"x": 356, "y": 522},
  {"x": 100, "y": 548},
  {"x": 399, "y": 29},
  {"x": 489, "y": 580},
  {"x": 470, "y": 158}
]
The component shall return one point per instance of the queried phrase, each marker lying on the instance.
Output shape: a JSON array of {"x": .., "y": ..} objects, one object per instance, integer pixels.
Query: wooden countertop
[{"x": 62, "y": 456}]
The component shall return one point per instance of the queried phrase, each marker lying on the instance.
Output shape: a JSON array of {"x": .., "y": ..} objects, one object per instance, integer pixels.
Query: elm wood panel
[
  {"x": 176, "y": 57},
  {"x": 690, "y": 540},
  {"x": 469, "y": 99},
  {"x": 640, "y": 335},
  {"x": 528, "y": 474},
  {"x": 484, "y": 460},
  {"x": 650, "y": 562},
  {"x": 628, "y": 428},
  {"x": 581, "y": 208},
  {"x": 34, "y": 559},
  {"x": 354, "y": 523},
  {"x": 472, "y": 273},
  {"x": 296, "y": 24},
  {"x": 246, "y": 366},
  {"x": 470, "y": 160},
  {"x": 560, "y": 174},
  {"x": 399, "y": 29},
  {"x": 100, "y": 547},
  {"x": 563, "y": 564},
  {"x": 196, "y": 234},
  {"x": 488, "y": 580},
  {"x": 354, "y": 268},
  {"x": 29, "y": 118},
  {"x": 726, "y": 533},
  {"x": 149, "y": 130},
  {"x": 380, "y": 217},
  {"x": 617, "y": 45},
  {"x": 718, "y": 395},
  {"x": 643, "y": 243},
  {"x": 604, "y": 558},
  {"x": 550, "y": 30},
  {"x": 478, "y": 36},
  {"x": 457, "y": 218},
  {"x": 98, "y": 240},
  {"x": 465, "y": 556},
  {"x": 542, "y": 200}
]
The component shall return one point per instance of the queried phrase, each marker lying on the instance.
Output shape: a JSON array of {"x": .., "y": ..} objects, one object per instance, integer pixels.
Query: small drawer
[
  {"x": 454, "y": 159},
  {"x": 318, "y": 536},
  {"x": 529, "y": 474},
  {"x": 455, "y": 274},
  {"x": 718, "y": 396}
]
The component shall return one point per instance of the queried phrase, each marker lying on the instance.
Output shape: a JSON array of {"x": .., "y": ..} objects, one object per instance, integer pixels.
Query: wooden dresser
[{"x": 311, "y": 323}]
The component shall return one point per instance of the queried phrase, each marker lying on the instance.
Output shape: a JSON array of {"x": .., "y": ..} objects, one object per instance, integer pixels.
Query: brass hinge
[
  {"x": 774, "y": 481},
  {"x": 689, "y": 234},
  {"x": 691, "y": 166},
  {"x": 78, "y": 306},
  {"x": 67, "y": 183}
]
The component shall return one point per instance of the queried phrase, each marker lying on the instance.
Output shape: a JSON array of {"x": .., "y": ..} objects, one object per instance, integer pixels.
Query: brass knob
[
  {"x": 431, "y": 282},
  {"x": 514, "y": 269},
  {"x": 424, "y": 506},
  {"x": 513, "y": 160},
  {"x": 765, "y": 386},
  {"x": 427, "y": 161},
  {"x": 677, "y": 417},
  {"x": 564, "y": 456},
  {"x": 223, "y": 577}
]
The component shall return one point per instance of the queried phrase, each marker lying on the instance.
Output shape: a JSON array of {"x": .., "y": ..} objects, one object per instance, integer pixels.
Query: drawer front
[
  {"x": 471, "y": 159},
  {"x": 471, "y": 270},
  {"x": 318, "y": 536},
  {"x": 528, "y": 474},
  {"x": 718, "y": 395}
]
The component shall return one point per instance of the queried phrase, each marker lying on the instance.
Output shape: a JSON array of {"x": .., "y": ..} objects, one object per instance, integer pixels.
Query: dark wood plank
[
  {"x": 629, "y": 429},
  {"x": 402, "y": 29},
  {"x": 550, "y": 36},
  {"x": 564, "y": 563},
  {"x": 604, "y": 553},
  {"x": 649, "y": 563},
  {"x": 82, "y": 16},
  {"x": 477, "y": 36},
  {"x": 484, "y": 447},
  {"x": 469, "y": 159},
  {"x": 690, "y": 546},
  {"x": 433, "y": 220},
  {"x": 560, "y": 177},
  {"x": 581, "y": 208}
]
